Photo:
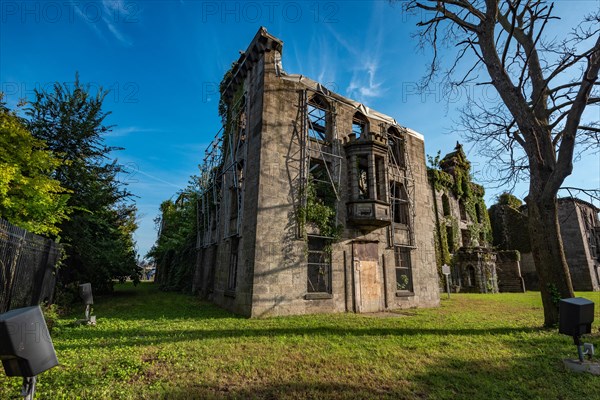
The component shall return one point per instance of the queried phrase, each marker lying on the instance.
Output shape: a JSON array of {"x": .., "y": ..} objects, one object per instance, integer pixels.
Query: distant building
[
  {"x": 311, "y": 202},
  {"x": 463, "y": 231},
  {"x": 580, "y": 231}
]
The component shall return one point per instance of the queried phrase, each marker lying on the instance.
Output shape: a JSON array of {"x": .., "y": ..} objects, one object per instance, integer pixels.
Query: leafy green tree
[
  {"x": 174, "y": 252},
  {"x": 98, "y": 236},
  {"x": 29, "y": 196}
]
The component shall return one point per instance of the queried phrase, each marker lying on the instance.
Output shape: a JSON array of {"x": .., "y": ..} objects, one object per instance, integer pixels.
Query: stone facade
[
  {"x": 315, "y": 203},
  {"x": 508, "y": 271},
  {"x": 475, "y": 270},
  {"x": 580, "y": 231}
]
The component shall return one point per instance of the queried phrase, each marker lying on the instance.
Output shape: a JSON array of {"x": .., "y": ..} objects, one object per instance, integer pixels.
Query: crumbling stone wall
[
  {"x": 576, "y": 219},
  {"x": 273, "y": 251},
  {"x": 475, "y": 270},
  {"x": 508, "y": 269},
  {"x": 583, "y": 265}
]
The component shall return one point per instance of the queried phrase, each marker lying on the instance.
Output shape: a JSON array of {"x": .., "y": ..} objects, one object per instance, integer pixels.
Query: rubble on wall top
[{"x": 263, "y": 41}]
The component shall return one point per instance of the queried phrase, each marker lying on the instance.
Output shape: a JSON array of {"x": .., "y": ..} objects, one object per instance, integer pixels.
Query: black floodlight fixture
[
  {"x": 26, "y": 348},
  {"x": 575, "y": 319},
  {"x": 85, "y": 292}
]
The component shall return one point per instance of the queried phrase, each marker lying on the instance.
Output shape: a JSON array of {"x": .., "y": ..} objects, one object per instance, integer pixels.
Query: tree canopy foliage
[
  {"x": 174, "y": 252},
  {"x": 98, "y": 236},
  {"x": 29, "y": 196}
]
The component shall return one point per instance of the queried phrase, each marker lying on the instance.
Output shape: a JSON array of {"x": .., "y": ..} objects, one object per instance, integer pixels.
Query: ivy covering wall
[
  {"x": 509, "y": 224},
  {"x": 451, "y": 175}
]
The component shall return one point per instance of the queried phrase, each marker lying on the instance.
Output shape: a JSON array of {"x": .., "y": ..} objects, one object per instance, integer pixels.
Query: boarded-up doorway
[{"x": 367, "y": 277}]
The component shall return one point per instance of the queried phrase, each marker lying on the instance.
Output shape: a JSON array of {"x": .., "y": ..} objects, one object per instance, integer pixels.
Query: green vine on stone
[
  {"x": 452, "y": 175},
  {"x": 317, "y": 212}
]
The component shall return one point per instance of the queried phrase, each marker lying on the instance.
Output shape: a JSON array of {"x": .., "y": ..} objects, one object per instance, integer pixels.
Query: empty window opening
[
  {"x": 363, "y": 177},
  {"x": 399, "y": 203},
  {"x": 233, "y": 263},
  {"x": 481, "y": 238},
  {"x": 233, "y": 195},
  {"x": 445, "y": 205},
  {"x": 471, "y": 278},
  {"x": 396, "y": 145},
  {"x": 360, "y": 125},
  {"x": 379, "y": 178},
  {"x": 466, "y": 237},
  {"x": 403, "y": 269},
  {"x": 320, "y": 179},
  {"x": 463, "y": 210},
  {"x": 317, "y": 111},
  {"x": 319, "y": 265},
  {"x": 450, "y": 239}
]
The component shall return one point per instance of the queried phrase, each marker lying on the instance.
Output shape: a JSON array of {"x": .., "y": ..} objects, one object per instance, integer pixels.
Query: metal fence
[{"x": 27, "y": 267}]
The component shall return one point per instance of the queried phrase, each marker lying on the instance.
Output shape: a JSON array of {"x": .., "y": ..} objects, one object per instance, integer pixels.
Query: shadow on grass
[
  {"x": 143, "y": 336},
  {"x": 533, "y": 376},
  {"x": 147, "y": 301},
  {"x": 294, "y": 390},
  {"x": 525, "y": 377}
]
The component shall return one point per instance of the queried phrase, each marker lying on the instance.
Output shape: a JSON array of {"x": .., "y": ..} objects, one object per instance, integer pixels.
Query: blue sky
[{"x": 163, "y": 61}]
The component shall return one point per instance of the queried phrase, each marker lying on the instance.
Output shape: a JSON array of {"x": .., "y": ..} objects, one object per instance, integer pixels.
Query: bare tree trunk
[{"x": 548, "y": 255}]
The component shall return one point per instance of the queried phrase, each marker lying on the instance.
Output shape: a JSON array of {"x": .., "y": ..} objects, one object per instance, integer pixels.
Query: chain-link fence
[{"x": 27, "y": 267}]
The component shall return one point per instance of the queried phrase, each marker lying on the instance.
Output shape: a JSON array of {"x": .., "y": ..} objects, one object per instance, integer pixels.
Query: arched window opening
[
  {"x": 396, "y": 146},
  {"x": 360, "y": 125}
]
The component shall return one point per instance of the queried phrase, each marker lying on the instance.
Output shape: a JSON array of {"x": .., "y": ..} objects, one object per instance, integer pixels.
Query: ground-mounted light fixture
[
  {"x": 85, "y": 292},
  {"x": 26, "y": 348},
  {"x": 575, "y": 319}
]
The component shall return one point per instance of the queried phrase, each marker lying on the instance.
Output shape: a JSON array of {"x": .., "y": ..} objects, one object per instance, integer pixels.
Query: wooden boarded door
[{"x": 367, "y": 277}]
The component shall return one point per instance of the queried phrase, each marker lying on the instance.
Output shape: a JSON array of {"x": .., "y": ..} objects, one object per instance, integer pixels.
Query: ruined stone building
[
  {"x": 463, "y": 233},
  {"x": 311, "y": 202},
  {"x": 580, "y": 231}
]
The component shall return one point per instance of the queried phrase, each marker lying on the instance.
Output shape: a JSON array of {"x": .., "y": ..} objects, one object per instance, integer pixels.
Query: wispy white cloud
[
  {"x": 365, "y": 83},
  {"x": 122, "y": 12},
  {"x": 103, "y": 20},
  {"x": 128, "y": 130}
]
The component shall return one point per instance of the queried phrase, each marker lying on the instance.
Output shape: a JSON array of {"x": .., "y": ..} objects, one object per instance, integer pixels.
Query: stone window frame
[
  {"x": 318, "y": 257},
  {"x": 462, "y": 210},
  {"x": 364, "y": 178},
  {"x": 397, "y": 147},
  {"x": 471, "y": 276},
  {"x": 446, "y": 211},
  {"x": 399, "y": 203},
  {"x": 318, "y": 113},
  {"x": 233, "y": 203},
  {"x": 403, "y": 267},
  {"x": 360, "y": 124},
  {"x": 232, "y": 272},
  {"x": 450, "y": 242},
  {"x": 319, "y": 172}
]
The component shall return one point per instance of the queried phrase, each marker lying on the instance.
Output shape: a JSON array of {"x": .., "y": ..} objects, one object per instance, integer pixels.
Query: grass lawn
[{"x": 150, "y": 344}]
